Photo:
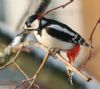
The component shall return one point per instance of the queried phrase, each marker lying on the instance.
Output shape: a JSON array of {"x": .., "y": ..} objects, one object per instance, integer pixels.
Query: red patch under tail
[{"x": 73, "y": 53}]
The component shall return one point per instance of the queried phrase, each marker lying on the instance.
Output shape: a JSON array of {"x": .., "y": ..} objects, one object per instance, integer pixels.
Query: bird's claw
[{"x": 53, "y": 51}]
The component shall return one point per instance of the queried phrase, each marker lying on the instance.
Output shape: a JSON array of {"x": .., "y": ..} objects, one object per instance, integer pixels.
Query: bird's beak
[{"x": 28, "y": 28}]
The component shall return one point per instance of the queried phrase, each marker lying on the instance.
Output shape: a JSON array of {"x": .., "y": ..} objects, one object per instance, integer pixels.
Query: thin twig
[
  {"x": 62, "y": 59},
  {"x": 91, "y": 42},
  {"x": 61, "y": 6},
  {"x": 36, "y": 74},
  {"x": 39, "y": 69},
  {"x": 19, "y": 68},
  {"x": 91, "y": 36},
  {"x": 57, "y": 55},
  {"x": 26, "y": 76},
  {"x": 14, "y": 59}
]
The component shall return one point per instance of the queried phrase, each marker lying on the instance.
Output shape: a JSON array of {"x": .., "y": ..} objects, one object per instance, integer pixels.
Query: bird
[{"x": 54, "y": 34}]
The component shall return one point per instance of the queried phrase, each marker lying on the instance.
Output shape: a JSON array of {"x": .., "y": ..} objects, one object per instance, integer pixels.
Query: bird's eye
[{"x": 28, "y": 25}]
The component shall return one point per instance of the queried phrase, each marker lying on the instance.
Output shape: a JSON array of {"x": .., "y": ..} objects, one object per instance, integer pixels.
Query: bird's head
[{"x": 32, "y": 22}]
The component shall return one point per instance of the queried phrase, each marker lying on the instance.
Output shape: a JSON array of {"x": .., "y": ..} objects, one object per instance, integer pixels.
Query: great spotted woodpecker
[{"x": 54, "y": 34}]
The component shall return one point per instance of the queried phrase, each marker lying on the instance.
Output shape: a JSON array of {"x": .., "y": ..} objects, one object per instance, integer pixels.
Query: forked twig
[
  {"x": 57, "y": 55},
  {"x": 19, "y": 68},
  {"x": 91, "y": 42},
  {"x": 36, "y": 74},
  {"x": 60, "y": 57},
  {"x": 11, "y": 61},
  {"x": 63, "y": 60},
  {"x": 61, "y": 6},
  {"x": 26, "y": 76},
  {"x": 39, "y": 69}
]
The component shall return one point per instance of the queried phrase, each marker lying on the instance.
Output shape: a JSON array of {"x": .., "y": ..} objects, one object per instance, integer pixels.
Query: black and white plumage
[{"x": 54, "y": 34}]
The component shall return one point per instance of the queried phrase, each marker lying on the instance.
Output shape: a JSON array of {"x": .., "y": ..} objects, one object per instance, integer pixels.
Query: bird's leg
[
  {"x": 72, "y": 67},
  {"x": 53, "y": 51},
  {"x": 71, "y": 56},
  {"x": 69, "y": 72}
]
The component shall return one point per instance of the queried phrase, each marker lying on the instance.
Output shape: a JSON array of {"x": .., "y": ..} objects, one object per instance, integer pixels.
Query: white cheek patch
[
  {"x": 25, "y": 27},
  {"x": 35, "y": 24}
]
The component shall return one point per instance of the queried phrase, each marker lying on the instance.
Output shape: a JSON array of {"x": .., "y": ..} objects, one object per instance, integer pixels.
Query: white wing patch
[
  {"x": 62, "y": 29},
  {"x": 35, "y": 24},
  {"x": 43, "y": 22}
]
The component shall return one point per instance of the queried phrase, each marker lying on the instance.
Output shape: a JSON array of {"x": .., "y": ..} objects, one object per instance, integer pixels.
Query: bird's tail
[{"x": 88, "y": 45}]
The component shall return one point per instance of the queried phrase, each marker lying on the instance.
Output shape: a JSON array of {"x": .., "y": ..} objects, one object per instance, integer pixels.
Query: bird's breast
[{"x": 52, "y": 42}]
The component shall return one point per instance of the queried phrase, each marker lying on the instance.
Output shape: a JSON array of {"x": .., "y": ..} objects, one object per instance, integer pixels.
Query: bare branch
[
  {"x": 14, "y": 59},
  {"x": 91, "y": 36},
  {"x": 91, "y": 42},
  {"x": 19, "y": 68},
  {"x": 39, "y": 69},
  {"x": 61, "y": 6},
  {"x": 64, "y": 60},
  {"x": 57, "y": 55}
]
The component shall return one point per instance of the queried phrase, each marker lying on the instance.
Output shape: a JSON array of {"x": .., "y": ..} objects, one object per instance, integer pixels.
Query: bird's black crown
[{"x": 31, "y": 19}]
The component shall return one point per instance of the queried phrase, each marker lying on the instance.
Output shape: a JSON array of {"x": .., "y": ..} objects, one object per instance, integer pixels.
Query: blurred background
[{"x": 81, "y": 15}]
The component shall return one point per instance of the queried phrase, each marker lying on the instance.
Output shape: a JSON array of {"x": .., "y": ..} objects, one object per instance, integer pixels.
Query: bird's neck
[{"x": 42, "y": 24}]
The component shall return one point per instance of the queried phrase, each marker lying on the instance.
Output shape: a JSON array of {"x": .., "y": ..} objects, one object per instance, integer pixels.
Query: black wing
[{"x": 65, "y": 34}]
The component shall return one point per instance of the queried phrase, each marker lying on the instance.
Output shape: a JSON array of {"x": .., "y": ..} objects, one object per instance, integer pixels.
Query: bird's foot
[{"x": 53, "y": 51}]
